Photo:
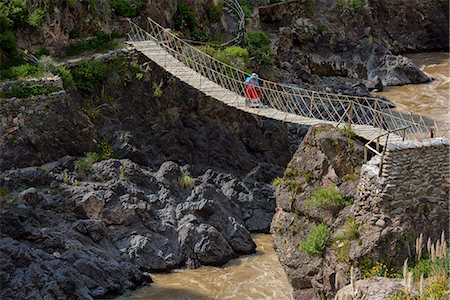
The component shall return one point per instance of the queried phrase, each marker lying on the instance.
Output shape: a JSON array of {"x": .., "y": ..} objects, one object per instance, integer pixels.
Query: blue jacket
[{"x": 252, "y": 81}]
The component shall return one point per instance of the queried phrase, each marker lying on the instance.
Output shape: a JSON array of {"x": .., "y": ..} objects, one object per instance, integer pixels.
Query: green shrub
[
  {"x": 171, "y": 116},
  {"x": 348, "y": 132},
  {"x": 350, "y": 231},
  {"x": 277, "y": 181},
  {"x": 357, "y": 4},
  {"x": 8, "y": 50},
  {"x": 66, "y": 77},
  {"x": 89, "y": 74},
  {"x": 315, "y": 242},
  {"x": 185, "y": 16},
  {"x": 36, "y": 18},
  {"x": 11, "y": 12},
  {"x": 107, "y": 151},
  {"x": 124, "y": 8},
  {"x": 328, "y": 198},
  {"x": 259, "y": 47},
  {"x": 4, "y": 191},
  {"x": 234, "y": 56},
  {"x": 41, "y": 52},
  {"x": 186, "y": 181},
  {"x": 157, "y": 91},
  {"x": 85, "y": 163},
  {"x": 23, "y": 91},
  {"x": 247, "y": 8},
  {"x": 24, "y": 71},
  {"x": 100, "y": 42},
  {"x": 214, "y": 12}
]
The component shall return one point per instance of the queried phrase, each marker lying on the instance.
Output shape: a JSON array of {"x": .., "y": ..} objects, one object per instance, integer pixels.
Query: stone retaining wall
[
  {"x": 413, "y": 185},
  {"x": 14, "y": 110},
  {"x": 51, "y": 82}
]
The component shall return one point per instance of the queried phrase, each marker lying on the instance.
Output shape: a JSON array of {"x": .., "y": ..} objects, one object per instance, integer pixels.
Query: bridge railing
[{"x": 291, "y": 99}]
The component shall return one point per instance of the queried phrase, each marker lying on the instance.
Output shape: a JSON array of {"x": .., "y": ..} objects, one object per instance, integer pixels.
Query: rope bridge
[{"x": 369, "y": 117}]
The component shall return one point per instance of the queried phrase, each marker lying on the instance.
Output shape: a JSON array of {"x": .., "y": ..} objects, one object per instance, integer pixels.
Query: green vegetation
[
  {"x": 157, "y": 91},
  {"x": 85, "y": 163},
  {"x": 291, "y": 172},
  {"x": 357, "y": 4},
  {"x": 294, "y": 186},
  {"x": 99, "y": 42},
  {"x": 350, "y": 177},
  {"x": 315, "y": 242},
  {"x": 378, "y": 269},
  {"x": 308, "y": 176},
  {"x": 12, "y": 12},
  {"x": 24, "y": 71},
  {"x": 277, "y": 182},
  {"x": 36, "y": 18},
  {"x": 234, "y": 56},
  {"x": 89, "y": 74},
  {"x": 107, "y": 151},
  {"x": 186, "y": 181},
  {"x": 259, "y": 47},
  {"x": 4, "y": 191},
  {"x": 320, "y": 27},
  {"x": 214, "y": 12},
  {"x": 310, "y": 8},
  {"x": 123, "y": 173},
  {"x": 348, "y": 132},
  {"x": 24, "y": 91},
  {"x": 171, "y": 116},
  {"x": 66, "y": 77},
  {"x": 328, "y": 198},
  {"x": 185, "y": 16},
  {"x": 124, "y": 8},
  {"x": 247, "y": 7},
  {"x": 350, "y": 231}
]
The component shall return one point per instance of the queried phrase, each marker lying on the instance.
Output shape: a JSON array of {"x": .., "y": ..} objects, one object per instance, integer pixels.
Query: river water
[
  {"x": 256, "y": 276},
  {"x": 431, "y": 99},
  {"x": 260, "y": 276}
]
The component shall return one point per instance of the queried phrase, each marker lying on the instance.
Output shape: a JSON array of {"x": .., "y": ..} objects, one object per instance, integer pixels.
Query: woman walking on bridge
[{"x": 252, "y": 92}]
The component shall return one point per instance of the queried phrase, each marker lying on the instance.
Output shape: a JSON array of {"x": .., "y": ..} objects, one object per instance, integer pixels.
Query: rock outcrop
[
  {"x": 96, "y": 233},
  {"x": 339, "y": 38},
  {"x": 378, "y": 218}
]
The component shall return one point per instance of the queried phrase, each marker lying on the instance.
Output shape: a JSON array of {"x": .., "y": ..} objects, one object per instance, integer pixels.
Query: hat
[{"x": 254, "y": 75}]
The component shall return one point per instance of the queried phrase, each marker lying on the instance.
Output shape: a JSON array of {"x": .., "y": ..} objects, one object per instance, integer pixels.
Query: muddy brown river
[
  {"x": 260, "y": 276},
  {"x": 257, "y": 276},
  {"x": 431, "y": 99}
]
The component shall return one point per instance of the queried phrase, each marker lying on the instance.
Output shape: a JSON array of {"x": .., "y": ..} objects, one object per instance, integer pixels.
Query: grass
[
  {"x": 350, "y": 177},
  {"x": 4, "y": 191},
  {"x": 157, "y": 91},
  {"x": 85, "y": 163},
  {"x": 328, "y": 198},
  {"x": 316, "y": 241},
  {"x": 24, "y": 71},
  {"x": 350, "y": 231},
  {"x": 348, "y": 132},
  {"x": 186, "y": 181},
  {"x": 277, "y": 182}
]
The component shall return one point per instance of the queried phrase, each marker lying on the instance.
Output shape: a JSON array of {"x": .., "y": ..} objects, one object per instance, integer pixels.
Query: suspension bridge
[{"x": 369, "y": 117}]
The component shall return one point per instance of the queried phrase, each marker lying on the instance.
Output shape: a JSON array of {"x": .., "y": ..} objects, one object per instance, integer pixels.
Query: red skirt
[{"x": 252, "y": 92}]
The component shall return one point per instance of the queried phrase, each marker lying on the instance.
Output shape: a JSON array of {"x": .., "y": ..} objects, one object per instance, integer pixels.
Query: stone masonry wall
[{"x": 413, "y": 187}]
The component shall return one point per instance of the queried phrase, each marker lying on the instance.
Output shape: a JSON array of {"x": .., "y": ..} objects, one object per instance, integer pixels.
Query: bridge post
[{"x": 350, "y": 115}]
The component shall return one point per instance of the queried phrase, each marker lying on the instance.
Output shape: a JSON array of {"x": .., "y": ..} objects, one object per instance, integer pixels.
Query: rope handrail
[{"x": 325, "y": 106}]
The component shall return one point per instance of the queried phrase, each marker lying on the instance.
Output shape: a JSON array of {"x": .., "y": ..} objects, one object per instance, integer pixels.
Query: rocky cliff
[
  {"x": 172, "y": 179},
  {"x": 355, "y": 39},
  {"x": 332, "y": 214}
]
